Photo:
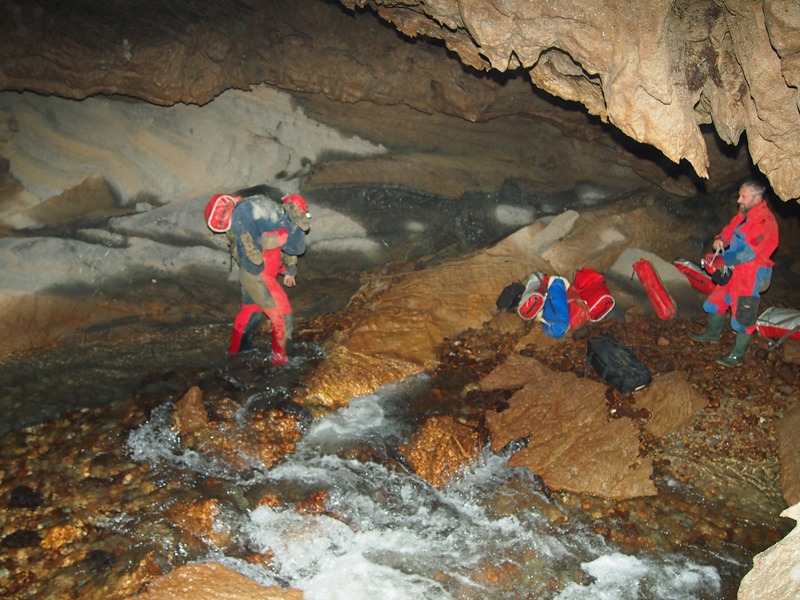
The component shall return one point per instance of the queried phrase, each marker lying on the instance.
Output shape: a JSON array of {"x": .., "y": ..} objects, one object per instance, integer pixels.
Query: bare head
[{"x": 751, "y": 193}]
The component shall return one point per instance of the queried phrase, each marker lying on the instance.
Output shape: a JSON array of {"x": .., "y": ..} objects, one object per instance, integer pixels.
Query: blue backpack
[{"x": 555, "y": 314}]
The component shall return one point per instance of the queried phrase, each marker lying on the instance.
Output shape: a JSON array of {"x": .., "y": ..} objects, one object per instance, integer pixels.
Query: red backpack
[{"x": 590, "y": 286}]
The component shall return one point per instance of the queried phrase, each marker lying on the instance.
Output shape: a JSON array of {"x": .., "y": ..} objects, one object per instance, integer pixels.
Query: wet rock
[
  {"x": 198, "y": 519},
  {"x": 573, "y": 446},
  {"x": 212, "y": 581},
  {"x": 98, "y": 560},
  {"x": 439, "y": 448},
  {"x": 672, "y": 401},
  {"x": 124, "y": 580},
  {"x": 23, "y": 496},
  {"x": 791, "y": 352},
  {"x": 774, "y": 573},
  {"x": 405, "y": 324},
  {"x": 22, "y": 538},
  {"x": 61, "y": 535},
  {"x": 789, "y": 454},
  {"x": 268, "y": 438},
  {"x": 190, "y": 414}
]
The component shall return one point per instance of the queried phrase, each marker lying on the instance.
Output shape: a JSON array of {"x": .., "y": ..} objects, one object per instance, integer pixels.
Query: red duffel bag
[
  {"x": 578, "y": 309},
  {"x": 779, "y": 323},
  {"x": 591, "y": 287},
  {"x": 532, "y": 300},
  {"x": 697, "y": 277},
  {"x": 658, "y": 295}
]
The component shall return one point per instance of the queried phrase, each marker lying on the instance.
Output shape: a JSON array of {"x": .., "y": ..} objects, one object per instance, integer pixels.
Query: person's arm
[
  {"x": 723, "y": 240},
  {"x": 760, "y": 239},
  {"x": 289, "y": 270}
]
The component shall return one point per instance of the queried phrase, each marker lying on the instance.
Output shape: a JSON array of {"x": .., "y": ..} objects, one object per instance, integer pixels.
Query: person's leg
[
  {"x": 743, "y": 322},
  {"x": 244, "y": 327},
  {"x": 281, "y": 317},
  {"x": 713, "y": 329},
  {"x": 279, "y": 337},
  {"x": 715, "y": 307}
]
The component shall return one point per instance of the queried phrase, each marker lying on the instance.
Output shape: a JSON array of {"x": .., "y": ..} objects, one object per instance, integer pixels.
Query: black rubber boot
[
  {"x": 250, "y": 332},
  {"x": 736, "y": 356},
  {"x": 713, "y": 329}
]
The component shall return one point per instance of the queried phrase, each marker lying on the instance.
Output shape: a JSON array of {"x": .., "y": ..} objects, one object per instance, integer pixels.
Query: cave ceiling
[{"x": 657, "y": 70}]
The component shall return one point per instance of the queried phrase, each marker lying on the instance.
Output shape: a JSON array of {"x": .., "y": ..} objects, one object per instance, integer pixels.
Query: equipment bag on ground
[
  {"x": 697, "y": 277},
  {"x": 532, "y": 300},
  {"x": 578, "y": 309},
  {"x": 779, "y": 324},
  {"x": 616, "y": 364},
  {"x": 555, "y": 314},
  {"x": 658, "y": 295},
  {"x": 510, "y": 296},
  {"x": 591, "y": 287}
]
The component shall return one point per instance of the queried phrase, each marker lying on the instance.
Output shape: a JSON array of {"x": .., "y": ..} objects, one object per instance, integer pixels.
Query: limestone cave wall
[{"x": 657, "y": 71}]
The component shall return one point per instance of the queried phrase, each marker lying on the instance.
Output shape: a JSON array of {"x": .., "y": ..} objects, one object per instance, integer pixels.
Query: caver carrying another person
[
  {"x": 266, "y": 238},
  {"x": 743, "y": 252}
]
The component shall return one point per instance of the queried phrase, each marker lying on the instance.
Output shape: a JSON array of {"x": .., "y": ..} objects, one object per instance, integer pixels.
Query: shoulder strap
[{"x": 783, "y": 338}]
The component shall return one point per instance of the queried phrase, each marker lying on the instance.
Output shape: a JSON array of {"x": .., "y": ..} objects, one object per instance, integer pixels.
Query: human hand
[
  {"x": 718, "y": 245},
  {"x": 289, "y": 281}
]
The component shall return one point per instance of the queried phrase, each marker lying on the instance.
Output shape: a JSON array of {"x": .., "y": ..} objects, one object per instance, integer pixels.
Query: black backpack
[
  {"x": 510, "y": 296},
  {"x": 616, "y": 364}
]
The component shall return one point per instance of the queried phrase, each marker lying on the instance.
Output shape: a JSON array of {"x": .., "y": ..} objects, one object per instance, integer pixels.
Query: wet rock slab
[
  {"x": 439, "y": 448},
  {"x": 571, "y": 443},
  {"x": 212, "y": 581}
]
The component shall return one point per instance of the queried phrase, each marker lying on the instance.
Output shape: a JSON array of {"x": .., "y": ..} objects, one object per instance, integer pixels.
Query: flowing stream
[{"x": 396, "y": 536}]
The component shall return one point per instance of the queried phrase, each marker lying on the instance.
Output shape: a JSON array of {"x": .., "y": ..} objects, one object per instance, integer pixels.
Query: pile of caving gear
[{"x": 561, "y": 305}]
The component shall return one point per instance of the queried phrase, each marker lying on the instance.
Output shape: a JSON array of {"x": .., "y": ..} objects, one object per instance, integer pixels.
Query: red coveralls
[{"x": 751, "y": 239}]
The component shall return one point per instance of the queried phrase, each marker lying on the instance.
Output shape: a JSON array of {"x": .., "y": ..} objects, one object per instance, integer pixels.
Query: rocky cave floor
[{"x": 70, "y": 491}]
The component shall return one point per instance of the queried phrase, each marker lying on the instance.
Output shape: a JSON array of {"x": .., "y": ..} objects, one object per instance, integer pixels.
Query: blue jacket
[{"x": 267, "y": 224}]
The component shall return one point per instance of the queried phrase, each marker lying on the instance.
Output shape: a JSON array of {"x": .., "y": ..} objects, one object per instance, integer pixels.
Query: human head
[
  {"x": 297, "y": 209},
  {"x": 751, "y": 193},
  {"x": 218, "y": 212}
]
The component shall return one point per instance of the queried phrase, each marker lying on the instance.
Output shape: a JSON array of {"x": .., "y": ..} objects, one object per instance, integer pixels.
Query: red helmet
[
  {"x": 297, "y": 209},
  {"x": 218, "y": 212},
  {"x": 297, "y": 200}
]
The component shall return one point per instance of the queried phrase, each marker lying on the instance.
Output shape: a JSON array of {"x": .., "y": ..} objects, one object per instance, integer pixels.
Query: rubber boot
[
  {"x": 278, "y": 336},
  {"x": 250, "y": 332},
  {"x": 244, "y": 326},
  {"x": 737, "y": 354},
  {"x": 713, "y": 329}
]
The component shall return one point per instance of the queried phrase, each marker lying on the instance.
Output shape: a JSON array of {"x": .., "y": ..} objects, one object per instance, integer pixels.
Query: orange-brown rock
[
  {"x": 439, "y": 448},
  {"x": 774, "y": 573},
  {"x": 515, "y": 372},
  {"x": 265, "y": 440},
  {"x": 198, "y": 519},
  {"x": 789, "y": 454},
  {"x": 59, "y": 536},
  {"x": 190, "y": 414},
  {"x": 407, "y": 322},
  {"x": 313, "y": 504},
  {"x": 571, "y": 445},
  {"x": 791, "y": 352},
  {"x": 672, "y": 401},
  {"x": 212, "y": 581}
]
